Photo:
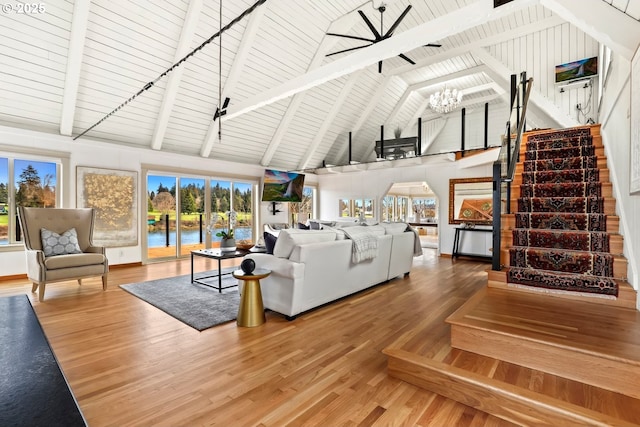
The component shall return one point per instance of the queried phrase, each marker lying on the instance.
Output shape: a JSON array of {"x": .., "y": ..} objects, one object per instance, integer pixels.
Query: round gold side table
[{"x": 251, "y": 310}]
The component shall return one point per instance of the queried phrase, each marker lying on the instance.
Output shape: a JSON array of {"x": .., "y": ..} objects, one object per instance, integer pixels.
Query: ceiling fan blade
[
  {"x": 379, "y": 66},
  {"x": 395, "y": 24},
  {"x": 351, "y": 37},
  {"x": 370, "y": 25},
  {"x": 433, "y": 45},
  {"x": 347, "y": 50},
  {"x": 406, "y": 58}
]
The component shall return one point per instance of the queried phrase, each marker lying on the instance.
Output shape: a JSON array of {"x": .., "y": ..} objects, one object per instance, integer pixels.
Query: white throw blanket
[
  {"x": 417, "y": 247},
  {"x": 365, "y": 243}
]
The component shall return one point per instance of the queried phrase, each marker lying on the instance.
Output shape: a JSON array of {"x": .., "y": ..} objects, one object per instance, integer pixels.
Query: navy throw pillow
[
  {"x": 301, "y": 226},
  {"x": 269, "y": 242}
]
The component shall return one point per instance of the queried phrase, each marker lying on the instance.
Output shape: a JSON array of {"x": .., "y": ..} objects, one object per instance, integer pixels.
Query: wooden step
[
  {"x": 601, "y": 163},
  {"x": 599, "y": 152},
  {"x": 620, "y": 264},
  {"x": 613, "y": 222},
  {"x": 626, "y": 294},
  {"x": 546, "y": 334},
  {"x": 609, "y": 205},
  {"x": 604, "y": 176},
  {"x": 606, "y": 190},
  {"x": 513, "y": 403},
  {"x": 615, "y": 241}
]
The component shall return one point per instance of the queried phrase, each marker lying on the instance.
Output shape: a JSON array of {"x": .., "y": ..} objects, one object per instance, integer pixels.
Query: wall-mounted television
[
  {"x": 577, "y": 70},
  {"x": 280, "y": 186}
]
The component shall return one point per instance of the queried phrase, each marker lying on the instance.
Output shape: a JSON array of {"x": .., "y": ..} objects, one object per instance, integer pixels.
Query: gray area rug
[{"x": 200, "y": 307}]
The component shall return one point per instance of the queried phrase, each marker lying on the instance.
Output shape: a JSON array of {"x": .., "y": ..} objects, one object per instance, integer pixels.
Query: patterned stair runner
[{"x": 560, "y": 241}]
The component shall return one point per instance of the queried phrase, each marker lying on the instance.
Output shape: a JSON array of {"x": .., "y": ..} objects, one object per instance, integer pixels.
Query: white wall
[
  {"x": 436, "y": 172},
  {"x": 616, "y": 136},
  {"x": 85, "y": 152}
]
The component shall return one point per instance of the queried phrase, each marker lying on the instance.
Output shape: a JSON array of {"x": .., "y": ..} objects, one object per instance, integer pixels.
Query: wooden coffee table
[{"x": 219, "y": 255}]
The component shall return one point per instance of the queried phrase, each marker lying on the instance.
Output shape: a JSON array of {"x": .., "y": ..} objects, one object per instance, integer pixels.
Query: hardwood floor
[{"x": 130, "y": 364}]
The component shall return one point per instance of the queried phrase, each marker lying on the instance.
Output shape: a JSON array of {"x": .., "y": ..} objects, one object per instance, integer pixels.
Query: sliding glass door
[
  {"x": 161, "y": 216},
  {"x": 189, "y": 218}
]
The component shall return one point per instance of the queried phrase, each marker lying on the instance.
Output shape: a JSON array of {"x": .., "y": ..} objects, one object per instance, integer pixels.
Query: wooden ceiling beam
[
  {"x": 328, "y": 120},
  {"x": 173, "y": 82},
  {"x": 239, "y": 61},
  {"x": 74, "y": 64},
  {"x": 439, "y": 28},
  {"x": 327, "y": 43}
]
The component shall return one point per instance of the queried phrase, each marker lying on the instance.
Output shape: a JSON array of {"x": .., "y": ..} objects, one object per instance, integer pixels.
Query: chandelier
[{"x": 445, "y": 101}]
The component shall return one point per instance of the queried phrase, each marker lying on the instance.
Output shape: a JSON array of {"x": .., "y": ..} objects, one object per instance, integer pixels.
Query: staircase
[
  {"x": 554, "y": 339},
  {"x": 563, "y": 237}
]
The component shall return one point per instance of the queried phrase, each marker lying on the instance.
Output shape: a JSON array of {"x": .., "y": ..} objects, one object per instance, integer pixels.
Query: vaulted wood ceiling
[{"x": 65, "y": 69}]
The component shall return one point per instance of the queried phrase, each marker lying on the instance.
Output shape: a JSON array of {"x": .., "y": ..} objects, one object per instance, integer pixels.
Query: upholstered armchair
[{"x": 58, "y": 245}]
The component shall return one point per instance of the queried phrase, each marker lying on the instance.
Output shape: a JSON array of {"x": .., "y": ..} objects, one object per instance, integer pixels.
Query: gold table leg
[{"x": 251, "y": 310}]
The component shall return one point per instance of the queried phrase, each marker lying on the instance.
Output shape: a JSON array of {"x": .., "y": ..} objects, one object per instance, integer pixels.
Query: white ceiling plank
[
  {"x": 605, "y": 24},
  {"x": 462, "y": 19},
  {"x": 373, "y": 102},
  {"x": 74, "y": 63},
  {"x": 248, "y": 38},
  {"x": 328, "y": 121},
  {"x": 175, "y": 77},
  {"x": 500, "y": 74},
  {"x": 340, "y": 26}
]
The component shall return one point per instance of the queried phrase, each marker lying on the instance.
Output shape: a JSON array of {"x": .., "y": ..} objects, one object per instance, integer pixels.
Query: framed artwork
[
  {"x": 634, "y": 172},
  {"x": 471, "y": 200},
  {"x": 112, "y": 193}
]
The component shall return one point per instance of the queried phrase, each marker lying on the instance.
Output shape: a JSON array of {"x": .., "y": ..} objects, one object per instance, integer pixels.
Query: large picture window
[
  {"x": 25, "y": 182},
  {"x": 303, "y": 211}
]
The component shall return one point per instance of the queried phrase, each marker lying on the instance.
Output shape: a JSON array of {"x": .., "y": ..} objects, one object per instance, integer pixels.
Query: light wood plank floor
[{"x": 130, "y": 364}]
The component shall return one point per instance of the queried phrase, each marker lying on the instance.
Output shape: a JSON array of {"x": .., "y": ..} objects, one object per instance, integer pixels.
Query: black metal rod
[
  {"x": 486, "y": 125},
  {"x": 349, "y": 147},
  {"x": 523, "y": 76},
  {"x": 200, "y": 226},
  {"x": 18, "y": 235},
  {"x": 166, "y": 231},
  {"x": 495, "y": 259},
  {"x": 514, "y": 90},
  {"x": 177, "y": 64},
  {"x": 464, "y": 119},
  {"x": 382, "y": 141},
  {"x": 419, "y": 153}
]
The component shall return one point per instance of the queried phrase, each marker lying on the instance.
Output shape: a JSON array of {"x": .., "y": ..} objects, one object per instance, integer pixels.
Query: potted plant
[{"x": 227, "y": 242}]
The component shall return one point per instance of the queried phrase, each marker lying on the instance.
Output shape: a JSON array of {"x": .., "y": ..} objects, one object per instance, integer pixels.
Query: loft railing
[{"x": 505, "y": 166}]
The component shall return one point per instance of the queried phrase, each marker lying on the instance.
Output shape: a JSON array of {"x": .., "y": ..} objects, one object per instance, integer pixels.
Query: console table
[{"x": 456, "y": 243}]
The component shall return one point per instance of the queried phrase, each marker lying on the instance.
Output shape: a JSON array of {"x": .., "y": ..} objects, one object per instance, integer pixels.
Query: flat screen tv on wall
[
  {"x": 280, "y": 186},
  {"x": 577, "y": 70}
]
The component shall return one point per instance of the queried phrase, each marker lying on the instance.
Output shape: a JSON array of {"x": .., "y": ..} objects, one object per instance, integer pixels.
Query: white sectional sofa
[{"x": 310, "y": 268}]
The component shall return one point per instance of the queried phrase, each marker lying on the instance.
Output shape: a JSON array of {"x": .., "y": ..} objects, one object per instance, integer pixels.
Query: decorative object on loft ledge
[{"x": 445, "y": 101}]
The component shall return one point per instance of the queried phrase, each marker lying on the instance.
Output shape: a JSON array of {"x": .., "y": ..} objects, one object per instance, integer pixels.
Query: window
[
  {"x": 25, "y": 182},
  {"x": 301, "y": 212}
]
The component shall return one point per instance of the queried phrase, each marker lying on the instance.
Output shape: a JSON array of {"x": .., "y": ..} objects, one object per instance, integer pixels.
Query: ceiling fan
[{"x": 378, "y": 35}]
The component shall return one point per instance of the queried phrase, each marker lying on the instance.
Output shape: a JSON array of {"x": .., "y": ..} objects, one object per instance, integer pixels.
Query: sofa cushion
[
  {"x": 73, "y": 260},
  {"x": 59, "y": 244},
  {"x": 270, "y": 241},
  {"x": 292, "y": 237},
  {"x": 394, "y": 227}
]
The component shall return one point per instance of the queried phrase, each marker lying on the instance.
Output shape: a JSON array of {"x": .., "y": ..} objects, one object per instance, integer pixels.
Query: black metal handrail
[{"x": 505, "y": 166}]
